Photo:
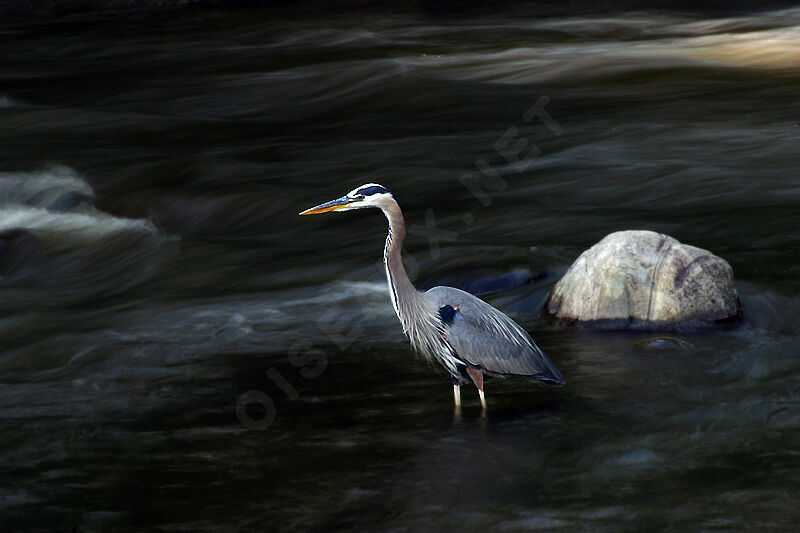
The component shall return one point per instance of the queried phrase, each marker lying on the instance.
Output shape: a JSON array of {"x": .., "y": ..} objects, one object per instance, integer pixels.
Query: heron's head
[{"x": 367, "y": 195}]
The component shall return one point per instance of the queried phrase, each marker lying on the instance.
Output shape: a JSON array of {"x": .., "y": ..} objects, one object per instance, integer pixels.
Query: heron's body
[{"x": 466, "y": 335}]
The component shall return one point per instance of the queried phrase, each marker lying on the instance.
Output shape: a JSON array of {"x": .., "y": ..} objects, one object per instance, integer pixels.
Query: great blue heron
[{"x": 469, "y": 337}]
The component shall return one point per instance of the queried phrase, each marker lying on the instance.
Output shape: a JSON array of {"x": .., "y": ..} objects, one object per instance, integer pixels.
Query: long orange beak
[{"x": 333, "y": 205}]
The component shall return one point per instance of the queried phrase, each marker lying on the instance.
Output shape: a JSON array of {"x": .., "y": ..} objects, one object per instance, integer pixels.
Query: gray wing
[{"x": 487, "y": 339}]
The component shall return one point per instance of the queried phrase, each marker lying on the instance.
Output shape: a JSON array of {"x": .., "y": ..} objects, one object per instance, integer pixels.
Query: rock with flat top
[{"x": 646, "y": 279}]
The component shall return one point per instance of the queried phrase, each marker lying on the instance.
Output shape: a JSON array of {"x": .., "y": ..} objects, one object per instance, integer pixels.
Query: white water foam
[
  {"x": 41, "y": 188},
  {"x": 35, "y": 202},
  {"x": 761, "y": 42},
  {"x": 77, "y": 228}
]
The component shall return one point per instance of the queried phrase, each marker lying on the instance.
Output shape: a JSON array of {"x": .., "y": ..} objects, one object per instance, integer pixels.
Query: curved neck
[{"x": 402, "y": 290}]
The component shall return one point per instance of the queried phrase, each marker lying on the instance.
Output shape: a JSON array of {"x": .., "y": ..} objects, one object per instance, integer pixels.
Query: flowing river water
[{"x": 179, "y": 351}]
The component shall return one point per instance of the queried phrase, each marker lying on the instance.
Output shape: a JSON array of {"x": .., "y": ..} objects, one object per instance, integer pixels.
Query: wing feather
[{"x": 486, "y": 338}]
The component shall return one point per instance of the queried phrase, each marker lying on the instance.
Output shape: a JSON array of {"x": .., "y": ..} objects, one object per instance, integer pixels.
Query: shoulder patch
[{"x": 447, "y": 314}]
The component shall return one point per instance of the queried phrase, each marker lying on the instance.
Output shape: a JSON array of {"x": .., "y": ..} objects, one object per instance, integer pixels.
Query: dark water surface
[{"x": 154, "y": 274}]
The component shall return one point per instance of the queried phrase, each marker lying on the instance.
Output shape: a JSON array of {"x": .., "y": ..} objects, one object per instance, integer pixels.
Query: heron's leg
[
  {"x": 477, "y": 379},
  {"x": 457, "y": 392}
]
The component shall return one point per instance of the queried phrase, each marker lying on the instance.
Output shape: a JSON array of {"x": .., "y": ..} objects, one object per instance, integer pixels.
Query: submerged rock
[
  {"x": 664, "y": 343},
  {"x": 483, "y": 280},
  {"x": 646, "y": 279}
]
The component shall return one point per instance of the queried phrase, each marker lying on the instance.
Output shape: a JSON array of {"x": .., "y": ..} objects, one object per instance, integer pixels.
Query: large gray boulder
[{"x": 646, "y": 279}]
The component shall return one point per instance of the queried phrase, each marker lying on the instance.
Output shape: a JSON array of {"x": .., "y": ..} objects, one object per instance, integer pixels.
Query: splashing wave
[{"x": 56, "y": 247}]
